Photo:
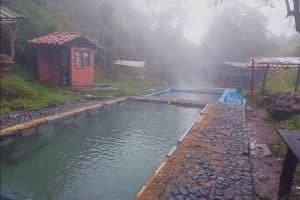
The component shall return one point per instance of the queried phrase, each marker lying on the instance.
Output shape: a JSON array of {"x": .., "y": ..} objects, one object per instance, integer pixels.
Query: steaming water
[{"x": 106, "y": 156}]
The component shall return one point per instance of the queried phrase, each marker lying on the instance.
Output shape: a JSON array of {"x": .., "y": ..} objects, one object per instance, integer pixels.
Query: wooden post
[
  {"x": 297, "y": 80},
  {"x": 252, "y": 78},
  {"x": 242, "y": 77},
  {"x": 287, "y": 174},
  {"x": 264, "y": 80},
  {"x": 223, "y": 76},
  {"x": 12, "y": 40}
]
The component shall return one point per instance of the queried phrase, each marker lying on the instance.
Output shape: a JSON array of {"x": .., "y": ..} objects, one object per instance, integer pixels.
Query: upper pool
[
  {"x": 203, "y": 96},
  {"x": 106, "y": 156}
]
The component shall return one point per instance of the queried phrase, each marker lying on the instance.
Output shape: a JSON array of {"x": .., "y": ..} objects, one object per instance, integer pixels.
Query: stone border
[{"x": 28, "y": 126}]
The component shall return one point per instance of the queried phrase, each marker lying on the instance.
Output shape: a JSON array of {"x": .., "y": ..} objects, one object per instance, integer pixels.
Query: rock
[
  {"x": 179, "y": 197},
  {"x": 193, "y": 196},
  {"x": 219, "y": 192},
  {"x": 183, "y": 191},
  {"x": 262, "y": 177},
  {"x": 196, "y": 177},
  {"x": 175, "y": 191},
  {"x": 193, "y": 190},
  {"x": 235, "y": 177},
  {"x": 229, "y": 194},
  {"x": 188, "y": 156},
  {"x": 285, "y": 105}
]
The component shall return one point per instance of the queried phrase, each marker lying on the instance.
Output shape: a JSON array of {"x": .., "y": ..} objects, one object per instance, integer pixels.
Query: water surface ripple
[{"x": 107, "y": 156}]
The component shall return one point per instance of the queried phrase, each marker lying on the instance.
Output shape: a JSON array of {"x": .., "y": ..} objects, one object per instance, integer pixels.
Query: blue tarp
[{"x": 232, "y": 97}]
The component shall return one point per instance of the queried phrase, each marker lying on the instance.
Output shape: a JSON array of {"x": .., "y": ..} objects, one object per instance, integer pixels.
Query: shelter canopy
[
  {"x": 10, "y": 16},
  {"x": 274, "y": 62},
  {"x": 236, "y": 64},
  {"x": 129, "y": 63}
]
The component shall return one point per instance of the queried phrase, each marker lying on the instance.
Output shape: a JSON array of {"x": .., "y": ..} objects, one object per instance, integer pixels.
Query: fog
[{"x": 184, "y": 42}]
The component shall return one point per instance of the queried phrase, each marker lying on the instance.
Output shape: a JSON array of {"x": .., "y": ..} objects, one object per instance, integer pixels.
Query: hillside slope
[{"x": 20, "y": 90}]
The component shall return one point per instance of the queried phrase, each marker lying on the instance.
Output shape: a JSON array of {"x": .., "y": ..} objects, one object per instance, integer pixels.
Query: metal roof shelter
[
  {"x": 236, "y": 64},
  {"x": 10, "y": 16},
  {"x": 11, "y": 19},
  {"x": 275, "y": 63},
  {"x": 129, "y": 63}
]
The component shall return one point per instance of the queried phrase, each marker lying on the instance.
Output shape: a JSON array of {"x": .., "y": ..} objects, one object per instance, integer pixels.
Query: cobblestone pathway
[
  {"x": 220, "y": 168},
  {"x": 212, "y": 162}
]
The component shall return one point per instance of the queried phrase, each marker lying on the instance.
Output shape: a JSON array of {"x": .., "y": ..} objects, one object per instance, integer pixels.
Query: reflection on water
[{"x": 106, "y": 156}]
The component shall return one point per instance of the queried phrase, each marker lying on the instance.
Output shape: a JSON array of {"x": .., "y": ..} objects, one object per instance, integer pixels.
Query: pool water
[
  {"x": 106, "y": 156},
  {"x": 203, "y": 98}
]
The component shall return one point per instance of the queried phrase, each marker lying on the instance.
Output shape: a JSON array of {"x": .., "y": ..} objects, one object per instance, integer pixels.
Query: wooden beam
[
  {"x": 242, "y": 77},
  {"x": 287, "y": 173},
  {"x": 297, "y": 80},
  {"x": 264, "y": 80},
  {"x": 252, "y": 78},
  {"x": 14, "y": 30},
  {"x": 223, "y": 76}
]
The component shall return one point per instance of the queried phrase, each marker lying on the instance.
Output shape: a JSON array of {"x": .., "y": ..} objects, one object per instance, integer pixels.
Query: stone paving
[{"x": 212, "y": 162}]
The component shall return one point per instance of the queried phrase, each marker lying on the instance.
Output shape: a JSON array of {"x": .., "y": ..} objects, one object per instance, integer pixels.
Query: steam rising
[{"x": 184, "y": 42}]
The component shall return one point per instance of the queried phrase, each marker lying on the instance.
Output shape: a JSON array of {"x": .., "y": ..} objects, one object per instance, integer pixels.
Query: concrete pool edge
[
  {"x": 180, "y": 144},
  {"x": 161, "y": 101},
  {"x": 20, "y": 129},
  {"x": 177, "y": 89},
  {"x": 29, "y": 127}
]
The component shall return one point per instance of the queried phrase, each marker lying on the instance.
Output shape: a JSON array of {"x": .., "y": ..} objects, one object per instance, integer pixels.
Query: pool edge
[
  {"x": 20, "y": 129},
  {"x": 199, "y": 119}
]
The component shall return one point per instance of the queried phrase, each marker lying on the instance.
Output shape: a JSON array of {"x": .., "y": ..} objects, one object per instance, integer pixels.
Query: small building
[
  {"x": 9, "y": 22},
  {"x": 130, "y": 69},
  {"x": 65, "y": 58}
]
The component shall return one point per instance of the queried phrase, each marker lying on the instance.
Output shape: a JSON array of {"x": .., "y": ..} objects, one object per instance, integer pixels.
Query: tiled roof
[{"x": 57, "y": 38}]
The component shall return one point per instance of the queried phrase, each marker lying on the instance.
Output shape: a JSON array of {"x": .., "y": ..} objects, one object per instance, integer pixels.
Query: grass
[
  {"x": 288, "y": 124},
  {"x": 280, "y": 81},
  {"x": 125, "y": 86},
  {"x": 19, "y": 91},
  {"x": 278, "y": 147}
]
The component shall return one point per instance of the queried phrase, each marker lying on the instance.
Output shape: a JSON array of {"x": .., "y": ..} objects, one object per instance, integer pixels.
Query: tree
[{"x": 295, "y": 12}]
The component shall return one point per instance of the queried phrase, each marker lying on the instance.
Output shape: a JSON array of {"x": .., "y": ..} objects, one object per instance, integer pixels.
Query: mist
[{"x": 183, "y": 42}]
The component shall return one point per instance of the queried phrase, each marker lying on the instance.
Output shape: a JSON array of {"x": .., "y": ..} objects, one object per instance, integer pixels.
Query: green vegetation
[
  {"x": 19, "y": 91},
  {"x": 280, "y": 81},
  {"x": 289, "y": 124},
  {"x": 279, "y": 148},
  {"x": 125, "y": 86}
]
